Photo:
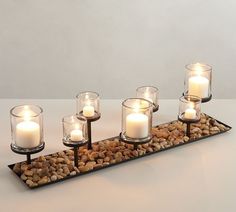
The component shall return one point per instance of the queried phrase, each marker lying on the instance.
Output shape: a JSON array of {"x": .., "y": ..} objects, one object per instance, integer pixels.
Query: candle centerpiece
[
  {"x": 137, "y": 130},
  {"x": 136, "y": 121},
  {"x": 27, "y": 130},
  {"x": 189, "y": 110},
  {"x": 88, "y": 106},
  {"x": 198, "y": 81},
  {"x": 149, "y": 93},
  {"x": 75, "y": 133}
]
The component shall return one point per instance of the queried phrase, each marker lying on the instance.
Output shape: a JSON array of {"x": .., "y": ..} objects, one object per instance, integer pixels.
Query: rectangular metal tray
[{"x": 117, "y": 163}]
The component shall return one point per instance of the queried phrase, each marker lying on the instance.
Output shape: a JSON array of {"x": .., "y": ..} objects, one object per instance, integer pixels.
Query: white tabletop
[{"x": 196, "y": 177}]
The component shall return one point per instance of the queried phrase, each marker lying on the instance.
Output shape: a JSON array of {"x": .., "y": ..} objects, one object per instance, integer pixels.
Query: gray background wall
[{"x": 56, "y": 48}]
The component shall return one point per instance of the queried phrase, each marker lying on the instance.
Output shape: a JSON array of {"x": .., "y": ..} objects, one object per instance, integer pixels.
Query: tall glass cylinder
[
  {"x": 198, "y": 81},
  {"x": 149, "y": 93},
  {"x": 136, "y": 119},
  {"x": 26, "y": 127},
  {"x": 88, "y": 104}
]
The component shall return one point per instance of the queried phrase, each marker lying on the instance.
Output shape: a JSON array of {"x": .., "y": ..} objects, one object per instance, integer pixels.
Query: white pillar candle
[
  {"x": 137, "y": 125},
  {"x": 190, "y": 113},
  {"x": 88, "y": 111},
  {"x": 76, "y": 135},
  {"x": 27, "y": 134},
  {"x": 198, "y": 86}
]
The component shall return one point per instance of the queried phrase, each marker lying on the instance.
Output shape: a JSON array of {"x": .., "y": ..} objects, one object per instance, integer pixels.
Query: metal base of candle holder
[
  {"x": 134, "y": 157},
  {"x": 207, "y": 99},
  {"x": 26, "y": 151},
  {"x": 135, "y": 142},
  {"x": 188, "y": 122},
  {"x": 90, "y": 120},
  {"x": 203, "y": 100},
  {"x": 75, "y": 147},
  {"x": 155, "y": 108}
]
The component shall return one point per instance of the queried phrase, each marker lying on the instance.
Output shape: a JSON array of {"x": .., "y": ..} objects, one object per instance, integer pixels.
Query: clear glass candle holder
[
  {"x": 198, "y": 81},
  {"x": 136, "y": 119},
  {"x": 74, "y": 129},
  {"x": 189, "y": 108},
  {"x": 149, "y": 93},
  {"x": 26, "y": 128},
  {"x": 88, "y": 104}
]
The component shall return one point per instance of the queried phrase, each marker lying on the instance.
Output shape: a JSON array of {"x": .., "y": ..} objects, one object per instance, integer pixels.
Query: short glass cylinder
[
  {"x": 198, "y": 80},
  {"x": 189, "y": 108},
  {"x": 88, "y": 104},
  {"x": 26, "y": 127},
  {"x": 136, "y": 119},
  {"x": 149, "y": 93},
  {"x": 74, "y": 129}
]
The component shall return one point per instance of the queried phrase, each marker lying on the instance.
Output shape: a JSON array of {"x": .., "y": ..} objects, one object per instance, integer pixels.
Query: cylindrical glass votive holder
[
  {"x": 74, "y": 130},
  {"x": 198, "y": 81},
  {"x": 189, "y": 108},
  {"x": 27, "y": 128},
  {"x": 136, "y": 120},
  {"x": 149, "y": 93},
  {"x": 88, "y": 104}
]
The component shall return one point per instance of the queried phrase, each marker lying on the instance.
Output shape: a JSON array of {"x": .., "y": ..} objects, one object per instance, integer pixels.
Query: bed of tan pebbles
[{"x": 45, "y": 169}]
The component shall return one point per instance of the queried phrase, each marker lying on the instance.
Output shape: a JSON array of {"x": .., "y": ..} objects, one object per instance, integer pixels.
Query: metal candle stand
[
  {"x": 75, "y": 147},
  {"x": 188, "y": 122},
  {"x": 135, "y": 141},
  {"x": 28, "y": 152},
  {"x": 146, "y": 104},
  {"x": 89, "y": 122}
]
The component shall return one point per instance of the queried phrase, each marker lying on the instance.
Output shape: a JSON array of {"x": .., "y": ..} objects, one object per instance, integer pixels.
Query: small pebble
[
  {"x": 73, "y": 173},
  {"x": 23, "y": 177},
  {"x": 43, "y": 181},
  {"x": 30, "y": 183},
  {"x": 53, "y": 178},
  {"x": 28, "y": 172},
  {"x": 60, "y": 160},
  {"x": 84, "y": 168}
]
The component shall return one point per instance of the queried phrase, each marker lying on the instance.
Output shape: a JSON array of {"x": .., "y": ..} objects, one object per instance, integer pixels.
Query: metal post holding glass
[
  {"x": 88, "y": 106},
  {"x": 27, "y": 130},
  {"x": 75, "y": 133},
  {"x": 149, "y": 93},
  {"x": 189, "y": 111},
  {"x": 198, "y": 81},
  {"x": 136, "y": 121}
]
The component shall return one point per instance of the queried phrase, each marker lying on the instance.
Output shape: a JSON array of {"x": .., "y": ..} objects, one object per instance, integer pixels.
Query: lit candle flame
[
  {"x": 191, "y": 105},
  {"x": 198, "y": 68},
  {"x": 27, "y": 115},
  {"x": 136, "y": 107},
  {"x": 87, "y": 101}
]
